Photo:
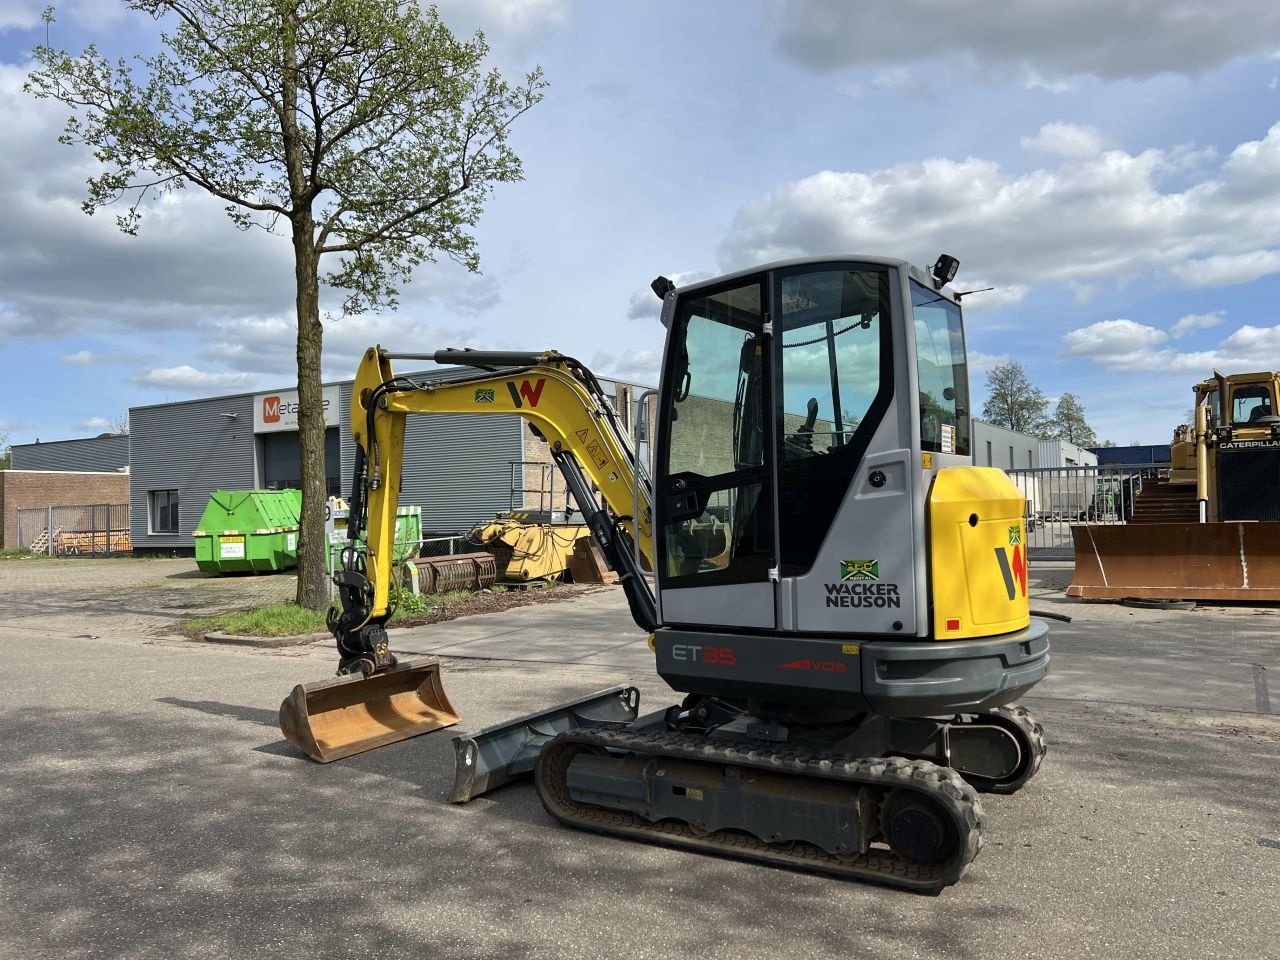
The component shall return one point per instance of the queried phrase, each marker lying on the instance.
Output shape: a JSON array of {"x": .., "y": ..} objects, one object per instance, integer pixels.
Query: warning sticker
[
  {"x": 583, "y": 434},
  {"x": 948, "y": 438},
  {"x": 596, "y": 454},
  {"x": 484, "y": 395}
]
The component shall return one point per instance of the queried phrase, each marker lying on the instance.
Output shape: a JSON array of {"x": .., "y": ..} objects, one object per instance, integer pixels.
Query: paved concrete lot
[{"x": 150, "y": 809}]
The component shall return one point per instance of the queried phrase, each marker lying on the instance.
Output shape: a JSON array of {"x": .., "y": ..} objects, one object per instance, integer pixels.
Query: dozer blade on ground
[
  {"x": 337, "y": 718},
  {"x": 501, "y": 753},
  {"x": 1177, "y": 561}
]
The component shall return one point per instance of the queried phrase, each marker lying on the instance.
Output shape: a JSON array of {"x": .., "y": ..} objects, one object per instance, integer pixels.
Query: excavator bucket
[
  {"x": 337, "y": 718},
  {"x": 501, "y": 753},
  {"x": 1177, "y": 561}
]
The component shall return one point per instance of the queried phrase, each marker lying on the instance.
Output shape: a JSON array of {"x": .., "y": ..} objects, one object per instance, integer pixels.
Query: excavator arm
[{"x": 563, "y": 403}]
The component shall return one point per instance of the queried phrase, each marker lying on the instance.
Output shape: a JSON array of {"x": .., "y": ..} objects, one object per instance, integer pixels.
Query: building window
[
  {"x": 1030, "y": 461},
  {"x": 164, "y": 511},
  {"x": 989, "y": 461},
  {"x": 1011, "y": 464}
]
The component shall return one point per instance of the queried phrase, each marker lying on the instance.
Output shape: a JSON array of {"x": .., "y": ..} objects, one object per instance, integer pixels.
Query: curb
[{"x": 243, "y": 641}]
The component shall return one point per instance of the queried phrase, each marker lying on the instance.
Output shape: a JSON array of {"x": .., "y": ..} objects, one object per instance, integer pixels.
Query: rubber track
[
  {"x": 878, "y": 865},
  {"x": 1033, "y": 731}
]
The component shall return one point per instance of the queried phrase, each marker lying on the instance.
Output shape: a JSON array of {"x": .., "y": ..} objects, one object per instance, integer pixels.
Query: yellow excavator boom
[{"x": 563, "y": 402}]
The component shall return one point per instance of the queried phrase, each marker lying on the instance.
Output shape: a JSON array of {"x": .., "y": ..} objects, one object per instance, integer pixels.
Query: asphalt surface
[{"x": 149, "y": 807}]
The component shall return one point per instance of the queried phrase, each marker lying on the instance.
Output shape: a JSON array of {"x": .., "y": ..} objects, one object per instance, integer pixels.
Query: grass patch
[
  {"x": 412, "y": 606},
  {"x": 21, "y": 553},
  {"x": 288, "y": 619},
  {"x": 276, "y": 620}
]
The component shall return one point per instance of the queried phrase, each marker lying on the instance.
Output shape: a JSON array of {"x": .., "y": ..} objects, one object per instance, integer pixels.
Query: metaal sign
[{"x": 279, "y": 410}]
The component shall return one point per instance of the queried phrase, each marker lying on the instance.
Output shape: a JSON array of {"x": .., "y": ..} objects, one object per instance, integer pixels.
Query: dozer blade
[
  {"x": 1177, "y": 561},
  {"x": 501, "y": 753},
  {"x": 337, "y": 718}
]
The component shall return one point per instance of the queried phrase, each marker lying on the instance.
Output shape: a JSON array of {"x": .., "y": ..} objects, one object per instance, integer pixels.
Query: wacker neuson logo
[{"x": 860, "y": 586}]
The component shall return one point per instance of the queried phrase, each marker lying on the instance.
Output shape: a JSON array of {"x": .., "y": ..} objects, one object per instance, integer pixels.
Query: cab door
[{"x": 715, "y": 478}]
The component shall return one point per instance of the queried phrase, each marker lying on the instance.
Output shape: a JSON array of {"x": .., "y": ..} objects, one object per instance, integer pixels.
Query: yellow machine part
[
  {"x": 539, "y": 551},
  {"x": 978, "y": 554},
  {"x": 350, "y": 714}
]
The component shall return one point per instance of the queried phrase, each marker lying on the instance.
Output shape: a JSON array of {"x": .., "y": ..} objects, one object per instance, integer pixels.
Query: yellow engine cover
[{"x": 978, "y": 554}]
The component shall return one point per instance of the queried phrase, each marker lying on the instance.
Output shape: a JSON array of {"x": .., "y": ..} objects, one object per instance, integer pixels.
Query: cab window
[{"x": 943, "y": 373}]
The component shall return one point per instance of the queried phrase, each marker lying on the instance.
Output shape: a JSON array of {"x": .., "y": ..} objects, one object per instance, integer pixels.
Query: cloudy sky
[{"x": 1113, "y": 170}]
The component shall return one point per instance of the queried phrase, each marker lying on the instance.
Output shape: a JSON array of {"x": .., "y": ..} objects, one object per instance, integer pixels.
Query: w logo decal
[{"x": 529, "y": 391}]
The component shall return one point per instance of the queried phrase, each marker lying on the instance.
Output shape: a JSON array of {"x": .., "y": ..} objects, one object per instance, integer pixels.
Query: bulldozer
[
  {"x": 837, "y": 593},
  {"x": 1210, "y": 529}
]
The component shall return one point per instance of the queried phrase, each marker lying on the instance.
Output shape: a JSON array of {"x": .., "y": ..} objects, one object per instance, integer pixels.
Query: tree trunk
[{"x": 313, "y": 592}]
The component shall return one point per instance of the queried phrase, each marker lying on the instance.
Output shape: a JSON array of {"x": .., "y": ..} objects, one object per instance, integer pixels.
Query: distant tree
[
  {"x": 6, "y": 453},
  {"x": 1105, "y": 443},
  {"x": 361, "y": 129},
  {"x": 120, "y": 424},
  {"x": 1012, "y": 401},
  {"x": 1069, "y": 423}
]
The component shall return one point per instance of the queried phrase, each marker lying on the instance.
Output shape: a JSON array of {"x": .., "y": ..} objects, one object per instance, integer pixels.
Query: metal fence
[
  {"x": 1060, "y": 496},
  {"x": 85, "y": 530}
]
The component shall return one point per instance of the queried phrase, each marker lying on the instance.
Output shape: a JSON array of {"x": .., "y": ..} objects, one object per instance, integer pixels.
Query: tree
[
  {"x": 362, "y": 128},
  {"x": 1069, "y": 423},
  {"x": 6, "y": 455},
  {"x": 1012, "y": 401},
  {"x": 1106, "y": 443},
  {"x": 120, "y": 424}
]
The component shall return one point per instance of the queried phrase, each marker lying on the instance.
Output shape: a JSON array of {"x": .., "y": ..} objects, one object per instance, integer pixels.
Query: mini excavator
[{"x": 838, "y": 593}]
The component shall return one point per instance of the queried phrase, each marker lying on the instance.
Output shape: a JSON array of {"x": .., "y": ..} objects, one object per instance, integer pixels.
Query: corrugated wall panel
[
  {"x": 457, "y": 466},
  {"x": 195, "y": 448},
  {"x": 88, "y": 455}
]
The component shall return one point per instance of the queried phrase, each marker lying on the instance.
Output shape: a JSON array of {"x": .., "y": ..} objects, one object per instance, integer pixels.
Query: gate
[
  {"x": 1060, "y": 496},
  {"x": 86, "y": 530}
]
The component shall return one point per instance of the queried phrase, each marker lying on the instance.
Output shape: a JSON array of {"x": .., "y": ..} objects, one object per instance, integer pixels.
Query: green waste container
[
  {"x": 249, "y": 531},
  {"x": 408, "y": 533}
]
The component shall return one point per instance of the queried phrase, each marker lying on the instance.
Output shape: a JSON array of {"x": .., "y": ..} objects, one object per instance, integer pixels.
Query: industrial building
[
  {"x": 107, "y": 453},
  {"x": 1007, "y": 449},
  {"x": 460, "y": 469}
]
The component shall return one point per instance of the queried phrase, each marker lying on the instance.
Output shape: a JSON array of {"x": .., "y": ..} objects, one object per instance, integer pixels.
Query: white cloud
[
  {"x": 21, "y": 14},
  {"x": 1036, "y": 82},
  {"x": 645, "y": 305},
  {"x": 95, "y": 425},
  {"x": 1047, "y": 41},
  {"x": 979, "y": 299},
  {"x": 638, "y": 366},
  {"x": 265, "y": 346},
  {"x": 188, "y": 379},
  {"x": 982, "y": 362},
  {"x": 1065, "y": 140},
  {"x": 1115, "y": 343},
  {"x": 1131, "y": 346},
  {"x": 514, "y": 28},
  {"x": 87, "y": 358},
  {"x": 1222, "y": 270},
  {"x": 1102, "y": 216},
  {"x": 1197, "y": 321}
]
